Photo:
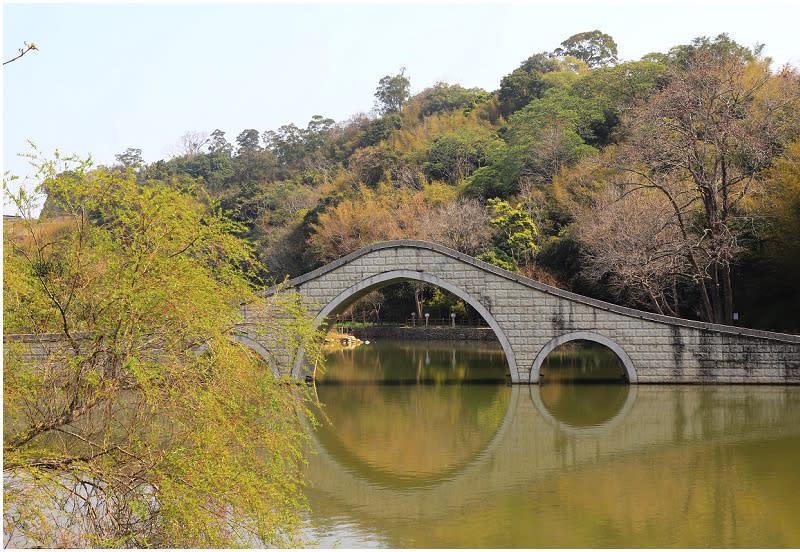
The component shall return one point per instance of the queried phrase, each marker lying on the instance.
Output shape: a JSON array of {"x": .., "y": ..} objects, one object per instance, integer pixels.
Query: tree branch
[{"x": 22, "y": 51}]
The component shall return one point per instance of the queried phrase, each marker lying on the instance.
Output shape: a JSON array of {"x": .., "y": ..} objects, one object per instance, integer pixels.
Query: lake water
[{"x": 426, "y": 446}]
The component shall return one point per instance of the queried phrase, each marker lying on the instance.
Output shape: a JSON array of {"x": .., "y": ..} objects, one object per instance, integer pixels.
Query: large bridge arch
[{"x": 404, "y": 275}]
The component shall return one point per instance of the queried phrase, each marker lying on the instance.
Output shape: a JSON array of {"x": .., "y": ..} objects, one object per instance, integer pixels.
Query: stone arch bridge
[{"x": 531, "y": 319}]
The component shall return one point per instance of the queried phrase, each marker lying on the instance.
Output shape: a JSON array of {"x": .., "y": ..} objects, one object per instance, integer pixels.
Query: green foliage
[
  {"x": 443, "y": 97},
  {"x": 525, "y": 83},
  {"x": 517, "y": 228},
  {"x": 378, "y": 130},
  {"x": 499, "y": 258},
  {"x": 499, "y": 180},
  {"x": 596, "y": 48},
  {"x": 721, "y": 47},
  {"x": 453, "y": 156},
  {"x": 127, "y": 420},
  {"x": 247, "y": 142},
  {"x": 295, "y": 147},
  {"x": 218, "y": 143},
  {"x": 131, "y": 158},
  {"x": 392, "y": 92},
  {"x": 444, "y": 303}
]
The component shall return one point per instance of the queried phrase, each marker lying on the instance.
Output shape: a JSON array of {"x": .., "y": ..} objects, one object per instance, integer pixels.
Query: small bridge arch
[
  {"x": 530, "y": 319},
  {"x": 627, "y": 363}
]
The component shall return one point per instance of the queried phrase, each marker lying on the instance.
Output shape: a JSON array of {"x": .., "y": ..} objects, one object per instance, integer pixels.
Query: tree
[
  {"x": 22, "y": 51},
  {"x": 131, "y": 158},
  {"x": 517, "y": 229},
  {"x": 525, "y": 83},
  {"x": 248, "y": 142},
  {"x": 192, "y": 143},
  {"x": 596, "y": 48},
  {"x": 453, "y": 156},
  {"x": 218, "y": 143},
  {"x": 632, "y": 243},
  {"x": 443, "y": 97},
  {"x": 462, "y": 225},
  {"x": 701, "y": 144},
  {"x": 300, "y": 148},
  {"x": 392, "y": 92},
  {"x": 128, "y": 434},
  {"x": 720, "y": 47}
]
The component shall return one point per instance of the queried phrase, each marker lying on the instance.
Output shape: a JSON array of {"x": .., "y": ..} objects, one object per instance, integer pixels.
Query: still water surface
[{"x": 426, "y": 446}]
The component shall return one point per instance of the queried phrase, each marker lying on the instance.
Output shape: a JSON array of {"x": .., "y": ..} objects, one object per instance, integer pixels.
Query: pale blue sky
[{"x": 112, "y": 76}]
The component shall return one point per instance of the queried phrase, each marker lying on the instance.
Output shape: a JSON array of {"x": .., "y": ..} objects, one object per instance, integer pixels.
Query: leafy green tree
[
  {"x": 596, "y": 48},
  {"x": 247, "y": 142},
  {"x": 380, "y": 129},
  {"x": 393, "y": 91},
  {"x": 541, "y": 138},
  {"x": 722, "y": 47},
  {"x": 525, "y": 83},
  {"x": 131, "y": 158},
  {"x": 297, "y": 148},
  {"x": 610, "y": 90},
  {"x": 128, "y": 434},
  {"x": 218, "y": 143},
  {"x": 499, "y": 258},
  {"x": 443, "y": 97},
  {"x": 517, "y": 229},
  {"x": 453, "y": 156}
]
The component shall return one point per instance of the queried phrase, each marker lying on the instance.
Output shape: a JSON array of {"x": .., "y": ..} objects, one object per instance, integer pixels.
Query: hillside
[{"x": 669, "y": 183}]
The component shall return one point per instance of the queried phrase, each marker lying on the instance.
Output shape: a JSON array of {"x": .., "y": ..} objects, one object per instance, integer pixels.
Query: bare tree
[
  {"x": 633, "y": 243},
  {"x": 462, "y": 225},
  {"x": 191, "y": 143},
  {"x": 699, "y": 145}
]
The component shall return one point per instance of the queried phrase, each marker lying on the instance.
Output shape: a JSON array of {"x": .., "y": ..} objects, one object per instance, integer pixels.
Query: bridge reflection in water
[{"x": 465, "y": 465}]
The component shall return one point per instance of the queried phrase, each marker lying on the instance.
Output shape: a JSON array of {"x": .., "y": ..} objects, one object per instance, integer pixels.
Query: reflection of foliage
[{"x": 412, "y": 432}]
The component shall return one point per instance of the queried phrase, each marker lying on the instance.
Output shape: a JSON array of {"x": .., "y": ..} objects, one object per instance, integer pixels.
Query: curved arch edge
[
  {"x": 405, "y": 275},
  {"x": 627, "y": 363},
  {"x": 251, "y": 344},
  {"x": 258, "y": 348}
]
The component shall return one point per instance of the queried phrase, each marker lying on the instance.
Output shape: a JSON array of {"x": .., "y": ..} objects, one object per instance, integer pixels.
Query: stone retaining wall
[{"x": 434, "y": 333}]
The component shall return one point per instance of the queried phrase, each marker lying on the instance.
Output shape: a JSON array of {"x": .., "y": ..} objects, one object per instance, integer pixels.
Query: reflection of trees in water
[
  {"x": 418, "y": 362},
  {"x": 583, "y": 361},
  {"x": 383, "y": 418},
  {"x": 685, "y": 466},
  {"x": 412, "y": 431},
  {"x": 583, "y": 405}
]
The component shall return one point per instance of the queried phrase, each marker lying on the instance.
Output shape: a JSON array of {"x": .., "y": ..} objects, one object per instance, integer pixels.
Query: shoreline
[{"x": 431, "y": 333}]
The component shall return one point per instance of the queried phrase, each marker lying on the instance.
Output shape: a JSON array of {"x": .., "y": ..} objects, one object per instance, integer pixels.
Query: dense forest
[{"x": 670, "y": 184}]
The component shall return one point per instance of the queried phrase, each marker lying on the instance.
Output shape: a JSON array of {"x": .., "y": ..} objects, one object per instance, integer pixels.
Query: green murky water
[{"x": 428, "y": 447}]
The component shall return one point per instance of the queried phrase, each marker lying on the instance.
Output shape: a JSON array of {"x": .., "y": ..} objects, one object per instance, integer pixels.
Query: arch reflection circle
[
  {"x": 411, "y": 414},
  {"x": 582, "y": 384},
  {"x": 584, "y": 409}
]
